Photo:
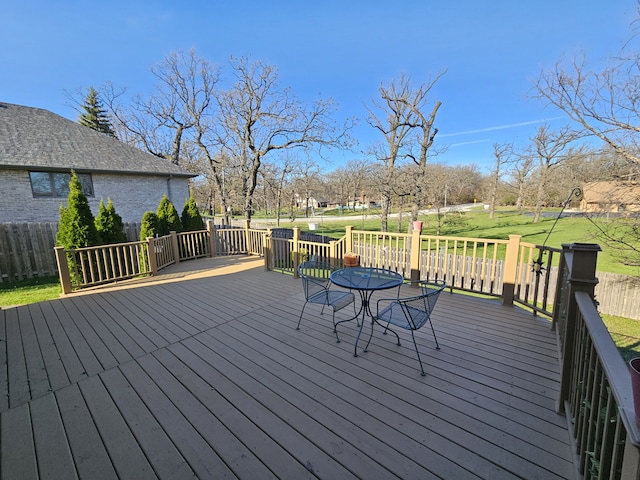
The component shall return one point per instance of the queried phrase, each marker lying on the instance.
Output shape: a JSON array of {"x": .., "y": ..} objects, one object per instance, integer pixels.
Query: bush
[
  {"x": 109, "y": 224},
  {"x": 76, "y": 228},
  {"x": 168, "y": 218},
  {"x": 191, "y": 218},
  {"x": 149, "y": 225}
]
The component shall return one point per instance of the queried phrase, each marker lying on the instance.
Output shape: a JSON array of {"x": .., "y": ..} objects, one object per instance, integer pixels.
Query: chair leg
[
  {"x": 418, "y": 353},
  {"x": 387, "y": 328},
  {"x": 300, "y": 319},
  {"x": 335, "y": 327},
  {"x": 434, "y": 335}
]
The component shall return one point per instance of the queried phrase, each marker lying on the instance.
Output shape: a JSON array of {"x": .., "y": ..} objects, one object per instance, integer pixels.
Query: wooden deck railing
[
  {"x": 595, "y": 387},
  {"x": 87, "y": 267}
]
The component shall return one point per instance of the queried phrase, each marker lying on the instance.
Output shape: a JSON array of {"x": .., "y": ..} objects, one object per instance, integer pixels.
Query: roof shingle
[{"x": 36, "y": 138}]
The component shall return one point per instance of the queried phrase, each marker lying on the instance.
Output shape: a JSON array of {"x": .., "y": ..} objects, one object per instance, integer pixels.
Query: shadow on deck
[{"x": 200, "y": 372}]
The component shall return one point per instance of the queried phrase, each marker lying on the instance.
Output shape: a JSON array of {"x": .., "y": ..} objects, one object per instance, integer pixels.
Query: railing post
[
  {"x": 510, "y": 269},
  {"x": 333, "y": 254},
  {"x": 416, "y": 254},
  {"x": 296, "y": 250},
  {"x": 581, "y": 260},
  {"x": 63, "y": 270},
  {"x": 175, "y": 246},
  {"x": 349, "y": 239},
  {"x": 151, "y": 255},
  {"x": 266, "y": 242},
  {"x": 247, "y": 239},
  {"x": 631, "y": 461},
  {"x": 211, "y": 233}
]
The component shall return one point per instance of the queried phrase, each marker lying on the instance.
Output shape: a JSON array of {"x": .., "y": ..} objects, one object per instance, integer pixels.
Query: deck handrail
[{"x": 595, "y": 386}]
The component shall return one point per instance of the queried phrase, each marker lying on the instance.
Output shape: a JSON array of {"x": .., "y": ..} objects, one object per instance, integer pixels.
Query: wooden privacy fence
[{"x": 27, "y": 249}]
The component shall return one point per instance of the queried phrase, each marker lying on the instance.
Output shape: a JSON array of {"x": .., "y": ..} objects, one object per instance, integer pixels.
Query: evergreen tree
[
  {"x": 77, "y": 227},
  {"x": 168, "y": 218},
  {"x": 95, "y": 116},
  {"x": 149, "y": 225},
  {"x": 109, "y": 224},
  {"x": 191, "y": 218}
]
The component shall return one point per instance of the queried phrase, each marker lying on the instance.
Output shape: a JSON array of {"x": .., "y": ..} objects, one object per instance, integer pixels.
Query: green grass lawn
[{"x": 29, "y": 291}]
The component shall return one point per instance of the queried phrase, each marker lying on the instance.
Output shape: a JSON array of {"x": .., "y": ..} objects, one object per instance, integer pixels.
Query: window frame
[{"x": 54, "y": 190}]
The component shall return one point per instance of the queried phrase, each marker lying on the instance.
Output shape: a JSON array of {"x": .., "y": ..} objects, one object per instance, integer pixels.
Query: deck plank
[
  {"x": 18, "y": 454},
  {"x": 83, "y": 323},
  {"x": 127, "y": 457},
  {"x": 159, "y": 449},
  {"x": 274, "y": 458},
  {"x": 87, "y": 447},
  {"x": 52, "y": 449},
  {"x": 170, "y": 376},
  {"x": 16, "y": 362},
  {"x": 83, "y": 350},
  {"x": 63, "y": 344},
  {"x": 199, "y": 455},
  {"x": 250, "y": 403},
  {"x": 36, "y": 369},
  {"x": 56, "y": 373}
]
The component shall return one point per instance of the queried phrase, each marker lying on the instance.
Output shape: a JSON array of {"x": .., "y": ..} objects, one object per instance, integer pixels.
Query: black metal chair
[
  {"x": 316, "y": 284},
  {"x": 411, "y": 313}
]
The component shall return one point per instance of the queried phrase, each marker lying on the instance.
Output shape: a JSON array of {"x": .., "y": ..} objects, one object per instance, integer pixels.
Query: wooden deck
[{"x": 201, "y": 373}]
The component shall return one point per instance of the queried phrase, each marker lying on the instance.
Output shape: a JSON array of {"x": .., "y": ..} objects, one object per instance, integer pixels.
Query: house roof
[
  {"x": 612, "y": 192},
  {"x": 36, "y": 138}
]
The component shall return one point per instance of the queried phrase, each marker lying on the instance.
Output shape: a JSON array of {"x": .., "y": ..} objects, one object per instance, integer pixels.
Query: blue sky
[{"x": 492, "y": 52}]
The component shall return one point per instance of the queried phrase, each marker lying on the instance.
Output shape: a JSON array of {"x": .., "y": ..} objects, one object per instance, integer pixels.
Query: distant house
[
  {"x": 611, "y": 197},
  {"x": 38, "y": 150},
  {"x": 311, "y": 202}
]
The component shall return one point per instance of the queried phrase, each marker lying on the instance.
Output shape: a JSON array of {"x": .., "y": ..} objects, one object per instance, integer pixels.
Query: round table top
[{"x": 363, "y": 278}]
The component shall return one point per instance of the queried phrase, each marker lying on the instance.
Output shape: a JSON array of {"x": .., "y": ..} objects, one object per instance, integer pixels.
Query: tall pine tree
[{"x": 94, "y": 115}]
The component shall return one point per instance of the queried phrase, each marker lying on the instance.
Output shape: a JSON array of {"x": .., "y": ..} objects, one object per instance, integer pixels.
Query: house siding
[{"x": 132, "y": 195}]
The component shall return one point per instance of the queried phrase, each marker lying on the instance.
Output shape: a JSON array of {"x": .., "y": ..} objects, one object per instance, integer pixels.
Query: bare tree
[
  {"x": 257, "y": 116},
  {"x": 501, "y": 153},
  {"x": 277, "y": 176},
  {"x": 399, "y": 111},
  {"x": 606, "y": 104},
  {"x": 159, "y": 123},
  {"x": 550, "y": 149}
]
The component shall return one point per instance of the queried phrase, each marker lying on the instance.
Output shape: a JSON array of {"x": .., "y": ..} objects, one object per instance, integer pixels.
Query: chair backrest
[
  {"x": 315, "y": 277},
  {"x": 424, "y": 303}
]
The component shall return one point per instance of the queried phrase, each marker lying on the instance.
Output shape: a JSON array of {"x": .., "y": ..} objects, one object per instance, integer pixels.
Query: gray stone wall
[{"x": 132, "y": 195}]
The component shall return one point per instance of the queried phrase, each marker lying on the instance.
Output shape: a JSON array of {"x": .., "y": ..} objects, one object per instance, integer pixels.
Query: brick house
[{"x": 38, "y": 150}]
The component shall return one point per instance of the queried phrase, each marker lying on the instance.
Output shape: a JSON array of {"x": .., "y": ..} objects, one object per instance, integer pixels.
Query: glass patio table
[{"x": 366, "y": 281}]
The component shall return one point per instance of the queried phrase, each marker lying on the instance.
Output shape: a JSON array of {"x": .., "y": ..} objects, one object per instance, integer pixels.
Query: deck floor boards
[{"x": 201, "y": 373}]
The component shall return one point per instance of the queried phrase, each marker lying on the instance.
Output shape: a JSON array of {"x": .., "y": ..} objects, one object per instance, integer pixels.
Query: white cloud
[{"x": 499, "y": 127}]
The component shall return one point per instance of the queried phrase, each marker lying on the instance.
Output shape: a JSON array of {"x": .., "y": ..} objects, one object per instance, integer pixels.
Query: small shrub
[
  {"x": 109, "y": 224},
  {"x": 191, "y": 218},
  {"x": 168, "y": 218},
  {"x": 149, "y": 225}
]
